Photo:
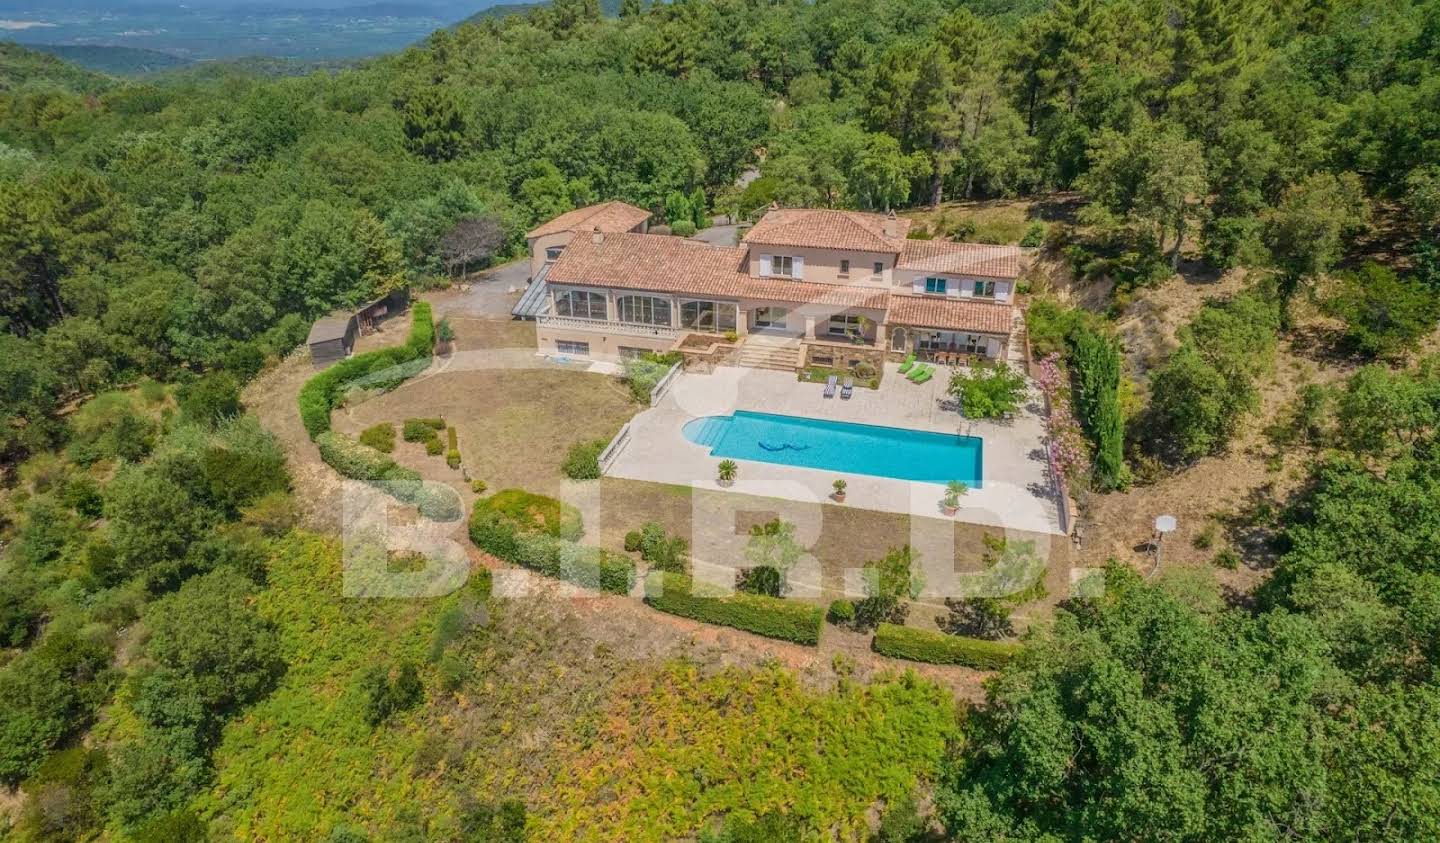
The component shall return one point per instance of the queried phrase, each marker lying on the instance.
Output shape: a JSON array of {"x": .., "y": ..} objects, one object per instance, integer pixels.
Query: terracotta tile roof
[
  {"x": 800, "y": 292},
  {"x": 962, "y": 258},
  {"x": 950, "y": 313},
  {"x": 607, "y": 217},
  {"x": 654, "y": 262},
  {"x": 821, "y": 228}
]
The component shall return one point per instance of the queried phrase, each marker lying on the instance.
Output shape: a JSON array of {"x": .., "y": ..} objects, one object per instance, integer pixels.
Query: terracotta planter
[
  {"x": 948, "y": 509},
  {"x": 839, "y": 497},
  {"x": 726, "y": 483}
]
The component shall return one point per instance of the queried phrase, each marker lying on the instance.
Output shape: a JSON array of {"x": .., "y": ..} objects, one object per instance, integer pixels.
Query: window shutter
[
  {"x": 799, "y": 265},
  {"x": 764, "y": 265}
]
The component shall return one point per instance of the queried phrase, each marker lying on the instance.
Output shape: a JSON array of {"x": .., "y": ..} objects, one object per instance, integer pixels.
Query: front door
[{"x": 770, "y": 317}]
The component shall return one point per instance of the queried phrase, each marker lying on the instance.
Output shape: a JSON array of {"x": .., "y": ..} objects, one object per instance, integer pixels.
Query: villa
[{"x": 804, "y": 286}]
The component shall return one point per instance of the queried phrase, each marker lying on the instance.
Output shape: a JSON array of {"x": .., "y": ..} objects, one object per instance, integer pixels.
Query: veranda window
[
  {"x": 707, "y": 316},
  {"x": 643, "y": 310},
  {"x": 581, "y": 304}
]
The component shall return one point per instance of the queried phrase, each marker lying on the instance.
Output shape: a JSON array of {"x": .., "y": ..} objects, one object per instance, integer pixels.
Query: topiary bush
[
  {"x": 785, "y": 620},
  {"x": 452, "y": 454},
  {"x": 841, "y": 612},
  {"x": 919, "y": 645},
  {"x": 632, "y": 541},
  {"x": 583, "y": 460},
  {"x": 519, "y": 527},
  {"x": 682, "y": 228},
  {"x": 381, "y": 437}
]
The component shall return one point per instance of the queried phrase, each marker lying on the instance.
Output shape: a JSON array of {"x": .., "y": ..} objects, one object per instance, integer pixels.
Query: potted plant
[
  {"x": 839, "y": 486},
  {"x": 727, "y": 473},
  {"x": 954, "y": 490}
]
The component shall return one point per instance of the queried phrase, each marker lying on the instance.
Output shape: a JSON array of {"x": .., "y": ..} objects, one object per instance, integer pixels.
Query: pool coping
[{"x": 1016, "y": 492}]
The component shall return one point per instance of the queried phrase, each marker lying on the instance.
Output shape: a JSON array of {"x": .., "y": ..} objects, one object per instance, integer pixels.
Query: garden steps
[{"x": 763, "y": 356}]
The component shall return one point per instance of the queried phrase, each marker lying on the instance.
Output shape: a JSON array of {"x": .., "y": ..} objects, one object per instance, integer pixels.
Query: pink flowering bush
[{"x": 1068, "y": 450}]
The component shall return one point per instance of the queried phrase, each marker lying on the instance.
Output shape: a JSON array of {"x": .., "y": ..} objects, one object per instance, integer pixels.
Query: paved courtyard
[{"x": 1016, "y": 489}]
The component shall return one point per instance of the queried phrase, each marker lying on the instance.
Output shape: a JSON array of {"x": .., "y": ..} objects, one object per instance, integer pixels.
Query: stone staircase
[{"x": 758, "y": 353}]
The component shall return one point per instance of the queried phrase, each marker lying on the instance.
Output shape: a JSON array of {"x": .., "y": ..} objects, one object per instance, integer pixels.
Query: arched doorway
[{"x": 899, "y": 339}]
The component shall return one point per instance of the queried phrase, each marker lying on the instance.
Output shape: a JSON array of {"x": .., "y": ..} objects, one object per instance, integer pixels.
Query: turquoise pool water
[{"x": 841, "y": 447}]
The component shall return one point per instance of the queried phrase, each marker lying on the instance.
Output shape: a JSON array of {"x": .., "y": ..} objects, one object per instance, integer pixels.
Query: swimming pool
[{"x": 841, "y": 447}]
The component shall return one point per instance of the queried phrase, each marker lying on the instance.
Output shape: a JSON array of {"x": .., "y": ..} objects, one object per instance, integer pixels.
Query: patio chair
[
  {"x": 848, "y": 389},
  {"x": 830, "y": 385},
  {"x": 908, "y": 364}
]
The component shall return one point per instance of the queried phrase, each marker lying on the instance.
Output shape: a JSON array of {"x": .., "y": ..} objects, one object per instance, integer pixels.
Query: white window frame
[
  {"x": 782, "y": 266},
  {"x": 718, "y": 310},
  {"x": 639, "y": 309},
  {"x": 565, "y": 305}
]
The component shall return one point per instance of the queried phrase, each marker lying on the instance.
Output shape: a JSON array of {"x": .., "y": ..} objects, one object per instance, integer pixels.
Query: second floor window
[
  {"x": 935, "y": 285},
  {"x": 582, "y": 304},
  {"x": 782, "y": 265},
  {"x": 844, "y": 267},
  {"x": 879, "y": 267},
  {"x": 644, "y": 310},
  {"x": 985, "y": 289}
]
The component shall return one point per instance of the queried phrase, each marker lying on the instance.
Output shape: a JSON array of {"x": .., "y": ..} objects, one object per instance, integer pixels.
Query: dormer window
[
  {"x": 783, "y": 265},
  {"x": 879, "y": 267},
  {"x": 935, "y": 285},
  {"x": 844, "y": 268},
  {"x": 985, "y": 289}
]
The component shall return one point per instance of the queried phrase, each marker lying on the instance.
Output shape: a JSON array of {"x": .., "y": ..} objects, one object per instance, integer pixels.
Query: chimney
[
  {"x": 596, "y": 236},
  {"x": 892, "y": 226}
]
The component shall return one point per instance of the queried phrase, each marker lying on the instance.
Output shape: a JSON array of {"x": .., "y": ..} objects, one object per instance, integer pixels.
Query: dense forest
[{"x": 163, "y": 241}]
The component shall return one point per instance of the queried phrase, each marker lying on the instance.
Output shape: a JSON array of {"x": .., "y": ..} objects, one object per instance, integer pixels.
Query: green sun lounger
[
  {"x": 926, "y": 375},
  {"x": 917, "y": 372},
  {"x": 908, "y": 364}
]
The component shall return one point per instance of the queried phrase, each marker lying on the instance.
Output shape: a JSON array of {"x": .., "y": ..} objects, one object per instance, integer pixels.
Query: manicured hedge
[
  {"x": 539, "y": 533},
  {"x": 920, "y": 645},
  {"x": 358, "y": 462},
  {"x": 768, "y": 616},
  {"x": 382, "y": 369}
]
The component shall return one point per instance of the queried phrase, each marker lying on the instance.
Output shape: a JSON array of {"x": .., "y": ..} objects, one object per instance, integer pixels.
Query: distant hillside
[
  {"x": 19, "y": 65},
  {"x": 112, "y": 59},
  {"x": 608, "y": 8}
]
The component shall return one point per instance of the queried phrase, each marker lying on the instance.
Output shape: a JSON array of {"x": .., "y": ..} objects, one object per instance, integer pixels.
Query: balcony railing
[{"x": 605, "y": 327}]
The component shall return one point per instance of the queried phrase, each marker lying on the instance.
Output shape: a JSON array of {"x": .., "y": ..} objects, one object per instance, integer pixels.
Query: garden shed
[{"x": 332, "y": 337}]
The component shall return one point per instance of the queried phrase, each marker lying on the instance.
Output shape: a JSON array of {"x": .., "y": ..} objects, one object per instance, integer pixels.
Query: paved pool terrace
[{"x": 1016, "y": 493}]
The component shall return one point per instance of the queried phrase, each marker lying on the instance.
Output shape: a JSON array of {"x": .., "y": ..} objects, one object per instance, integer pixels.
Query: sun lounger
[
  {"x": 908, "y": 364},
  {"x": 916, "y": 372},
  {"x": 847, "y": 389},
  {"x": 830, "y": 385},
  {"x": 926, "y": 375}
]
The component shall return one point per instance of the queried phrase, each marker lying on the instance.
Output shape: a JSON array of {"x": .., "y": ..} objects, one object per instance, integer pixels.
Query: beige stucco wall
[
  {"x": 960, "y": 286},
  {"x": 538, "y": 245},
  {"x": 823, "y": 265},
  {"x": 603, "y": 346}
]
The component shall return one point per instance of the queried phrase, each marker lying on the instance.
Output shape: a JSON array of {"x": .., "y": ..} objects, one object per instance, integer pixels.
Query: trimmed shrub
[
  {"x": 433, "y": 446},
  {"x": 527, "y": 541},
  {"x": 841, "y": 613},
  {"x": 357, "y": 462},
  {"x": 532, "y": 513},
  {"x": 383, "y": 369},
  {"x": 769, "y": 616},
  {"x": 919, "y": 645},
  {"x": 632, "y": 541},
  {"x": 422, "y": 430},
  {"x": 683, "y": 228},
  {"x": 452, "y": 454},
  {"x": 381, "y": 437},
  {"x": 583, "y": 460}
]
